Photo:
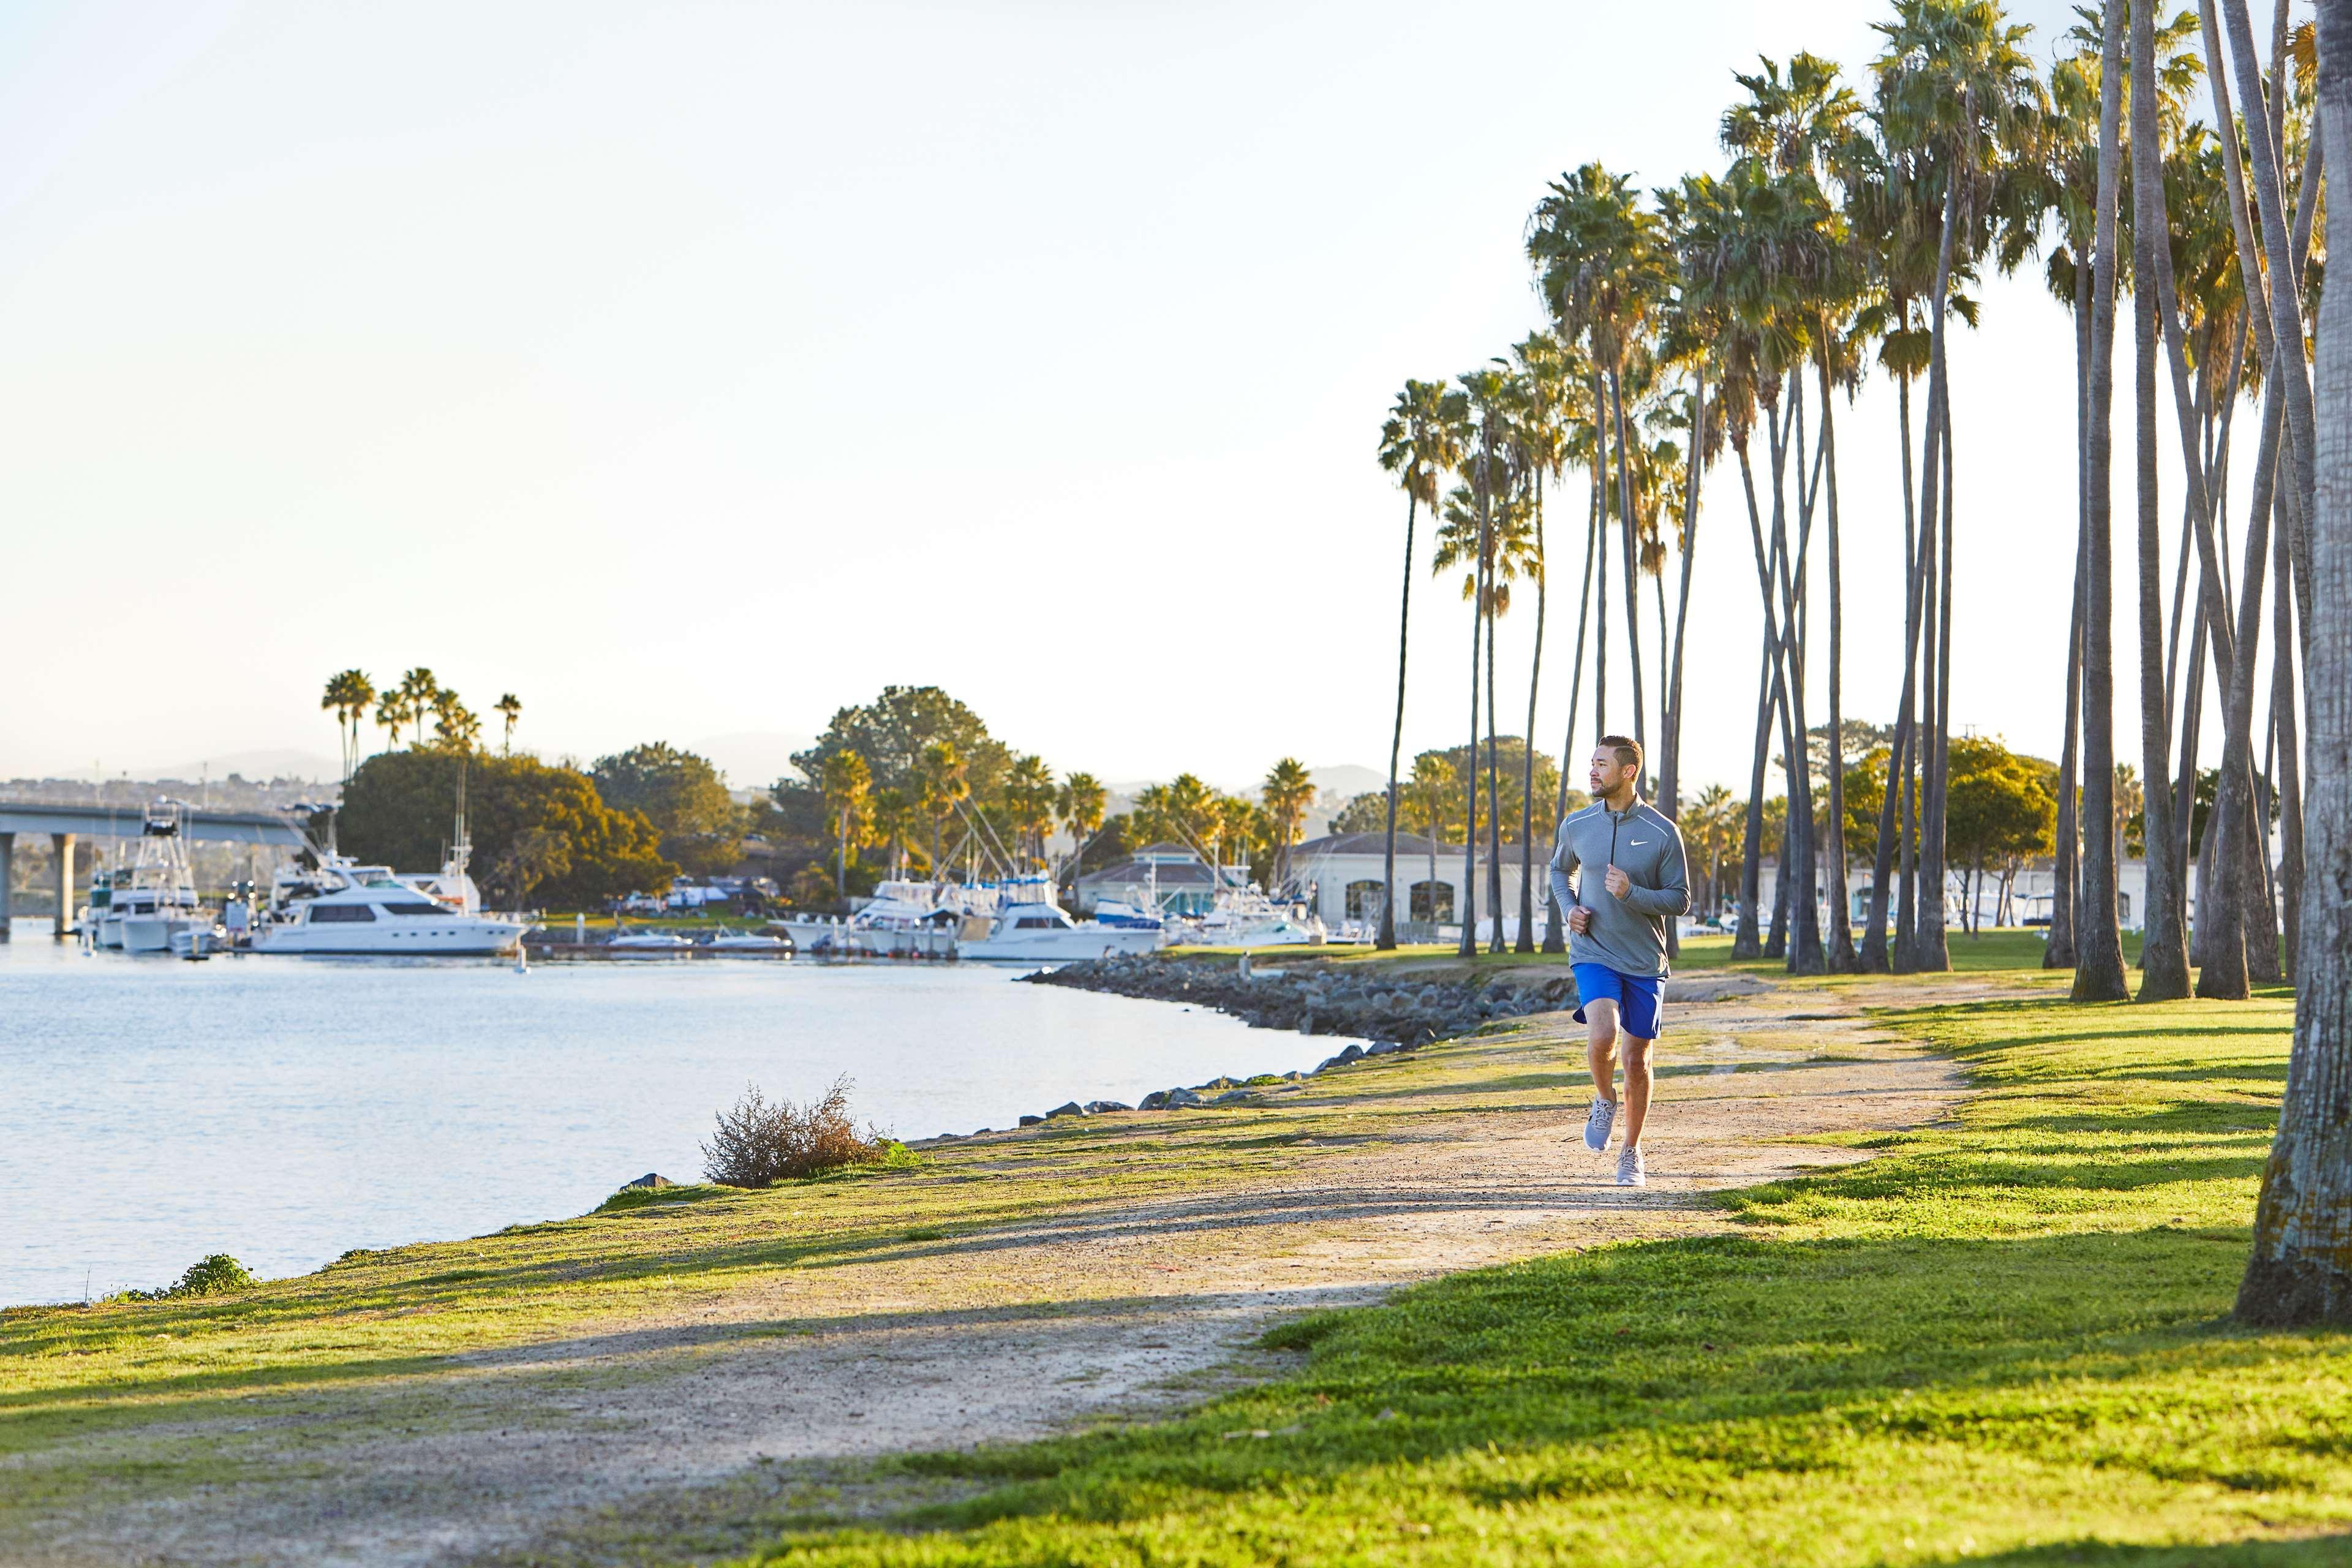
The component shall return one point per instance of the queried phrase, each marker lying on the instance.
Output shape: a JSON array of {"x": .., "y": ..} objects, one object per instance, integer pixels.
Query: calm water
[{"x": 285, "y": 1109}]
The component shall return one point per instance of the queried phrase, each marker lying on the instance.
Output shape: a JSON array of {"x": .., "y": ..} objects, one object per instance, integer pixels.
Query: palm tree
[
  {"x": 347, "y": 695},
  {"x": 509, "y": 707},
  {"x": 1956, "y": 93},
  {"x": 417, "y": 691},
  {"x": 2299, "y": 1273},
  {"x": 1079, "y": 803},
  {"x": 845, "y": 780},
  {"x": 1602, "y": 268},
  {"x": 1544, "y": 376},
  {"x": 454, "y": 723},
  {"x": 1029, "y": 801},
  {"x": 1288, "y": 791},
  {"x": 892, "y": 811},
  {"x": 2164, "y": 952},
  {"x": 941, "y": 786},
  {"x": 1420, "y": 441},
  {"x": 392, "y": 711}
]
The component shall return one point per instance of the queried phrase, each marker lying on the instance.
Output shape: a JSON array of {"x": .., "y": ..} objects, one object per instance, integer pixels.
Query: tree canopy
[
  {"x": 683, "y": 796},
  {"x": 542, "y": 834}
]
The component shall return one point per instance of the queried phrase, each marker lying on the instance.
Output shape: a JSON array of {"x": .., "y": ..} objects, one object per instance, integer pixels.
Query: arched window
[
  {"x": 1365, "y": 899},
  {"x": 1432, "y": 901}
]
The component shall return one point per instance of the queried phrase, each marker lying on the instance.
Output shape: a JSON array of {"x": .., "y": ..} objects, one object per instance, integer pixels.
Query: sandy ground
[{"x": 691, "y": 1433}]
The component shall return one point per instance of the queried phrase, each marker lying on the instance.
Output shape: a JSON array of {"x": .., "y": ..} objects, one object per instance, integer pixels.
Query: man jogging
[{"x": 1617, "y": 935}]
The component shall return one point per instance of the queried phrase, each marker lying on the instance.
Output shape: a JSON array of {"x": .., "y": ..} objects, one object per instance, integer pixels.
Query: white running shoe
[
  {"x": 1596, "y": 1123},
  {"x": 1633, "y": 1171}
]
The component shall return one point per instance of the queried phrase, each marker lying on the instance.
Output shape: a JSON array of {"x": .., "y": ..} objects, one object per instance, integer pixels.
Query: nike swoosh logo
[{"x": 1639, "y": 842}]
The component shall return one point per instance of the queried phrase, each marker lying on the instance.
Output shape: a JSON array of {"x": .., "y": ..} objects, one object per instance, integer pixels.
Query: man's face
[{"x": 1608, "y": 775}]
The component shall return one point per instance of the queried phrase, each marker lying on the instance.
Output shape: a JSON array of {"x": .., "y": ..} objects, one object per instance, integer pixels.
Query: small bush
[
  {"x": 759, "y": 1145},
  {"x": 217, "y": 1275}
]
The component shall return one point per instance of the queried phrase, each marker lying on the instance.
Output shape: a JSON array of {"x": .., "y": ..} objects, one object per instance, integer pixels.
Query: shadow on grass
[{"x": 2107, "y": 1554}]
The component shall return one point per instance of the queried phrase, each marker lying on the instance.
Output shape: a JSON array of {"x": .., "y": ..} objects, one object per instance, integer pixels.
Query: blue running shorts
[{"x": 1636, "y": 996}]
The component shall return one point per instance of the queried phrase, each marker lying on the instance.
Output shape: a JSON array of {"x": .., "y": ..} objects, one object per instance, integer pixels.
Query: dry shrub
[{"x": 757, "y": 1145}]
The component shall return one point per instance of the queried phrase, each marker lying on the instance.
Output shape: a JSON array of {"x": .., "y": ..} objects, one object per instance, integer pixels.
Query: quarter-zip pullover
[{"x": 1628, "y": 935}]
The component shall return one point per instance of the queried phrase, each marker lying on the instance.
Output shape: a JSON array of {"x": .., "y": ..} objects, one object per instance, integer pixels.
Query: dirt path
[{"x": 692, "y": 1431}]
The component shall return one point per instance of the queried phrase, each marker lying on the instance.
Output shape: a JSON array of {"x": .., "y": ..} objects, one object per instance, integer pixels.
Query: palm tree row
[
  {"x": 1847, "y": 229},
  {"x": 416, "y": 698}
]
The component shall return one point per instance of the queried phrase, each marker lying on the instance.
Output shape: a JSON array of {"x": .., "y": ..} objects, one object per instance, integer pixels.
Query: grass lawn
[{"x": 2004, "y": 1342}]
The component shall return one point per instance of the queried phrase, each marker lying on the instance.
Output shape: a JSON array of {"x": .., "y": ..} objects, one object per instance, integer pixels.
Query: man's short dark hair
[{"x": 1629, "y": 751}]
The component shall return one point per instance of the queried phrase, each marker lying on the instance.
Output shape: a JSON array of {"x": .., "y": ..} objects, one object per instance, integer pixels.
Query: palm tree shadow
[{"x": 2109, "y": 1555}]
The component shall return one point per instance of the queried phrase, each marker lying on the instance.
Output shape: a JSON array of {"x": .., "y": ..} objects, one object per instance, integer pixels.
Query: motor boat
[
  {"x": 1246, "y": 916},
  {"x": 648, "y": 944},
  {"x": 903, "y": 919},
  {"x": 154, "y": 897},
  {"x": 724, "y": 941},
  {"x": 1030, "y": 927},
  {"x": 338, "y": 907},
  {"x": 382, "y": 916}
]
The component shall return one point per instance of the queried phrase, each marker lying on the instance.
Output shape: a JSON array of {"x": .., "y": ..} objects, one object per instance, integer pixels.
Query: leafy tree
[
  {"x": 895, "y": 730},
  {"x": 418, "y": 691},
  {"x": 2001, "y": 808},
  {"x": 537, "y": 830},
  {"x": 683, "y": 796},
  {"x": 1366, "y": 813},
  {"x": 1511, "y": 750}
]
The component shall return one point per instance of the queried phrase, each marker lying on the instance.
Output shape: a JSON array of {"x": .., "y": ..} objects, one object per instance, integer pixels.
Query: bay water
[{"x": 285, "y": 1109}]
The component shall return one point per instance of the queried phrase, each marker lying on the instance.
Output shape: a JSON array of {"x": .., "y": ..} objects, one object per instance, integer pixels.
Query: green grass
[
  {"x": 1981, "y": 953},
  {"x": 2003, "y": 1340}
]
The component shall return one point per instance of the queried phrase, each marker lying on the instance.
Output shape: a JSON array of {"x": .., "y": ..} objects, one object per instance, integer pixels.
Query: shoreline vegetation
[{"x": 2003, "y": 1337}]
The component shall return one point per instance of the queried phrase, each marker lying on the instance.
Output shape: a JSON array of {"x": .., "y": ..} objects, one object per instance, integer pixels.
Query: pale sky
[{"x": 691, "y": 371}]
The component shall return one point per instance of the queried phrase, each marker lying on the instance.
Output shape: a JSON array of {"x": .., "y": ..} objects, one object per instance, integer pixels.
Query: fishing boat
[
  {"x": 1030, "y": 926},
  {"x": 155, "y": 896},
  {"x": 903, "y": 919}
]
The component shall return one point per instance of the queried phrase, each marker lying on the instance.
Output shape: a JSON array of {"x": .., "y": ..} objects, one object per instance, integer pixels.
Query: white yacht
[
  {"x": 346, "y": 909},
  {"x": 1031, "y": 927}
]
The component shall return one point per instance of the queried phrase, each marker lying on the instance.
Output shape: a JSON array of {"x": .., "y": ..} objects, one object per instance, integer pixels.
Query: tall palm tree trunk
[
  {"x": 1670, "y": 740},
  {"x": 1874, "y": 955},
  {"x": 1555, "y": 940},
  {"x": 1396, "y": 736},
  {"x": 2059, "y": 952},
  {"x": 1928, "y": 947},
  {"x": 2164, "y": 954},
  {"x": 2290, "y": 779},
  {"x": 2098, "y": 942},
  {"x": 1525, "y": 941},
  {"x": 1600, "y": 487},
  {"x": 2301, "y": 1270},
  {"x": 1494, "y": 772},
  {"x": 1747, "y": 939},
  {"x": 1633, "y": 559},
  {"x": 1469, "y": 948},
  {"x": 1842, "y": 957}
]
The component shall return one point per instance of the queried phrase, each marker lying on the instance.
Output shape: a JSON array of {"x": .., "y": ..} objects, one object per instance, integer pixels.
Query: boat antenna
[{"x": 464, "y": 849}]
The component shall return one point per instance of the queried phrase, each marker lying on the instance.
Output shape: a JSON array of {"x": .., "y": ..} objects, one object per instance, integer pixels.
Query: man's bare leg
[
  {"x": 1600, "y": 1046},
  {"x": 1637, "y": 1086}
]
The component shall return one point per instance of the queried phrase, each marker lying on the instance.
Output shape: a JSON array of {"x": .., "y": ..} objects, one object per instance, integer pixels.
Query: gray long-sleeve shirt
[{"x": 1628, "y": 935}]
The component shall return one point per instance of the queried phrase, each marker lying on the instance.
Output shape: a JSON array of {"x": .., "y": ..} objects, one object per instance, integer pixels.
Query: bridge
[{"x": 67, "y": 825}]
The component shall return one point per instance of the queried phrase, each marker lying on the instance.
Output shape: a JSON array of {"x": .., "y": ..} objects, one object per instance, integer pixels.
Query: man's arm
[
  {"x": 1563, "y": 861},
  {"x": 1673, "y": 895}
]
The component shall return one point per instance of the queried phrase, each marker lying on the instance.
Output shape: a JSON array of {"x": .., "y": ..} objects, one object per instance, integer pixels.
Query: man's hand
[
  {"x": 1617, "y": 882},
  {"x": 1580, "y": 920}
]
